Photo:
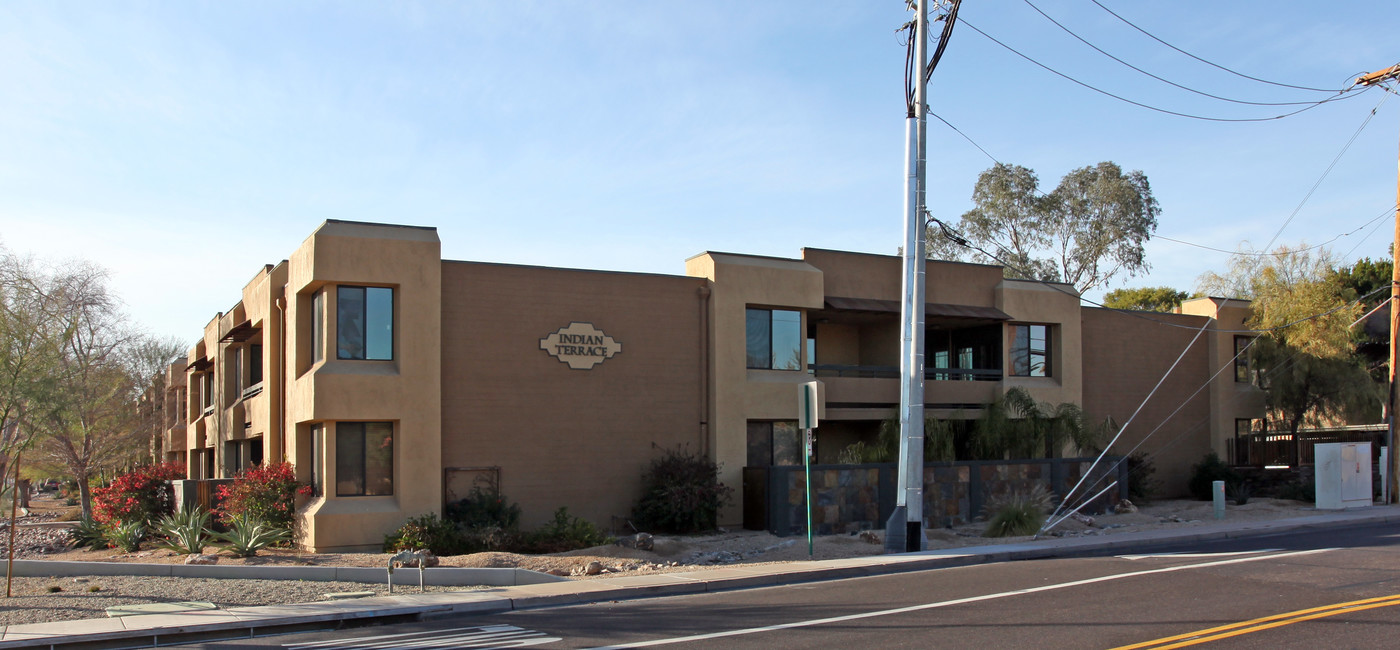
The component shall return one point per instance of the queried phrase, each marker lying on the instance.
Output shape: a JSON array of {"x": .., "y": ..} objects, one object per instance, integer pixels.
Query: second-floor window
[
  {"x": 365, "y": 323},
  {"x": 774, "y": 338},
  {"x": 1030, "y": 350},
  {"x": 1242, "y": 359}
]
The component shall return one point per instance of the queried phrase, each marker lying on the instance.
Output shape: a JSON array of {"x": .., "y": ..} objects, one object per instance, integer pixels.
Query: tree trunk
[
  {"x": 23, "y": 491},
  {"x": 85, "y": 496}
]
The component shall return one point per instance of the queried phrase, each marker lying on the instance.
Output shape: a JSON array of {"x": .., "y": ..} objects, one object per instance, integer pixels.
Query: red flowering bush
[
  {"x": 266, "y": 493},
  {"x": 140, "y": 496}
]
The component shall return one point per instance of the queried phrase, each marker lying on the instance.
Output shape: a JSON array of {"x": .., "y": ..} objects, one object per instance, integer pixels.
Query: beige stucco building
[{"x": 395, "y": 381}]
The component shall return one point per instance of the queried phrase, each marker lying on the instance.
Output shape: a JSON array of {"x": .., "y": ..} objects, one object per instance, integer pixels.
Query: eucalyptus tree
[
  {"x": 1163, "y": 299},
  {"x": 1091, "y": 229}
]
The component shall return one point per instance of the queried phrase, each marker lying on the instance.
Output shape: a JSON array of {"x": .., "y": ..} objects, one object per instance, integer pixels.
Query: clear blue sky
[{"x": 183, "y": 144}]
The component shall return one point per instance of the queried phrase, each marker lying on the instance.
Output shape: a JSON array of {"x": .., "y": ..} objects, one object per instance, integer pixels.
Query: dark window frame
[
  {"x": 1031, "y": 354},
  {"x": 752, "y": 316},
  {"x": 341, "y": 446},
  {"x": 1242, "y": 369},
  {"x": 318, "y": 326},
  {"x": 364, "y": 329}
]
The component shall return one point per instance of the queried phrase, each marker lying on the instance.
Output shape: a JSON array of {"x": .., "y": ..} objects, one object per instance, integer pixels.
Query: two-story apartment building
[{"x": 395, "y": 381}]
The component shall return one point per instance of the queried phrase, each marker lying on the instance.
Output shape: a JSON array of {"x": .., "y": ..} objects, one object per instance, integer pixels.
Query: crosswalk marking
[{"x": 485, "y": 636}]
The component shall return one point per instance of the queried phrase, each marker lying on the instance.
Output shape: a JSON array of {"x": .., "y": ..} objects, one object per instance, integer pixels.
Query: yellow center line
[{"x": 1265, "y": 623}]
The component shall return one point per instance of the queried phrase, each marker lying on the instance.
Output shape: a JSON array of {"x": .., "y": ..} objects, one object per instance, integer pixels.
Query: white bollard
[{"x": 1217, "y": 490}]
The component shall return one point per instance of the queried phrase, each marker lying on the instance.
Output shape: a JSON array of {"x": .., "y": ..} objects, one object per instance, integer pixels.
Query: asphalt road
[{"x": 1317, "y": 590}]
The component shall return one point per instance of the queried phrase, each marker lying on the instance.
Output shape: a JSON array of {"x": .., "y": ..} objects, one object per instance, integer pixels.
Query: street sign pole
[{"x": 807, "y": 420}]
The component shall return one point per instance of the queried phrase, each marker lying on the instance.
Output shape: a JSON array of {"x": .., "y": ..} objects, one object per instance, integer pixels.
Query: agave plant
[
  {"x": 245, "y": 536},
  {"x": 88, "y": 534},
  {"x": 186, "y": 532},
  {"x": 1017, "y": 513},
  {"x": 127, "y": 536}
]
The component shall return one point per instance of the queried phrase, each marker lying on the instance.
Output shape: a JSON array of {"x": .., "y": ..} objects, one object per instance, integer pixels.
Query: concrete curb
[
  {"x": 438, "y": 576},
  {"x": 548, "y": 591}
]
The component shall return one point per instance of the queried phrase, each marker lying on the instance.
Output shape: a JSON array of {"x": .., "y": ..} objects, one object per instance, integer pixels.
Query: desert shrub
[
  {"x": 186, "y": 532},
  {"x": 1298, "y": 491},
  {"x": 428, "y": 531},
  {"x": 246, "y": 536},
  {"x": 563, "y": 533},
  {"x": 681, "y": 493},
  {"x": 266, "y": 493},
  {"x": 1017, "y": 513},
  {"x": 485, "y": 507},
  {"x": 1209, "y": 470},
  {"x": 89, "y": 533},
  {"x": 127, "y": 536},
  {"x": 1239, "y": 492},
  {"x": 141, "y": 496},
  {"x": 1141, "y": 484}
]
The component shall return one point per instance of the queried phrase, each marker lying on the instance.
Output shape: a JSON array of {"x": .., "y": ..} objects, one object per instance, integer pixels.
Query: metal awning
[
  {"x": 932, "y": 309},
  {"x": 200, "y": 365},
  {"x": 240, "y": 332}
]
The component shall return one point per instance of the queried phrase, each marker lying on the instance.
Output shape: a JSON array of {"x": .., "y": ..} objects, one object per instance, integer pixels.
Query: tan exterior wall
[
  {"x": 1229, "y": 399},
  {"x": 562, "y": 436},
  {"x": 1035, "y": 303},
  {"x": 741, "y": 394}
]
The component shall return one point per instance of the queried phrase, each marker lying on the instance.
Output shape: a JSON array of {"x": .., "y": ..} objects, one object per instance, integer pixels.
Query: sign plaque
[{"x": 580, "y": 345}]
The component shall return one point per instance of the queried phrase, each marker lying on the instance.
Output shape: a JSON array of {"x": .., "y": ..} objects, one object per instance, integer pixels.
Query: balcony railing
[{"x": 892, "y": 372}]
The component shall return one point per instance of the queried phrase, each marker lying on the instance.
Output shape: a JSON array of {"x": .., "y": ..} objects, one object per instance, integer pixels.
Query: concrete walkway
[{"x": 527, "y": 590}]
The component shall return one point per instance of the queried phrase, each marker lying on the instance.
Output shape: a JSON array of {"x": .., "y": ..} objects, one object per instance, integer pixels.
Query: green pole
[{"x": 807, "y": 469}]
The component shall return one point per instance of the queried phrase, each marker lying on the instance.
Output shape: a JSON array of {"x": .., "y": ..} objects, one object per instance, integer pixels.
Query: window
[
  {"x": 207, "y": 389},
  {"x": 316, "y": 459},
  {"x": 774, "y": 443},
  {"x": 255, "y": 375},
  {"x": 1242, "y": 374},
  {"x": 1030, "y": 350},
  {"x": 318, "y": 327},
  {"x": 364, "y": 459},
  {"x": 774, "y": 339},
  {"x": 365, "y": 323}
]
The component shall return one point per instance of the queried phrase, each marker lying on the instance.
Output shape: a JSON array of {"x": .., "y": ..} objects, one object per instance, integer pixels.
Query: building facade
[{"x": 395, "y": 381}]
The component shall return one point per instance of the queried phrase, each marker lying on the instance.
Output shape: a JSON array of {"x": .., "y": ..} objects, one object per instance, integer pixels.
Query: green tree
[
  {"x": 1306, "y": 356},
  {"x": 1163, "y": 299},
  {"x": 1363, "y": 278},
  {"x": 1090, "y": 229}
]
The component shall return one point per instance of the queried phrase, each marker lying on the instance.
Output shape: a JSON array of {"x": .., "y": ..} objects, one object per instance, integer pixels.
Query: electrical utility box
[{"x": 1342, "y": 475}]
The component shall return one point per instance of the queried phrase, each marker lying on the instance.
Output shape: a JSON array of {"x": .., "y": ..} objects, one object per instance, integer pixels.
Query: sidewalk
[{"x": 525, "y": 590}]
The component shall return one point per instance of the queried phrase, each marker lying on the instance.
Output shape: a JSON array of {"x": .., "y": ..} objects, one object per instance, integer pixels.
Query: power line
[
  {"x": 1165, "y": 81},
  {"x": 1327, "y": 171},
  {"x": 1388, "y": 211},
  {"x": 1342, "y": 94},
  {"x": 1215, "y": 65}
]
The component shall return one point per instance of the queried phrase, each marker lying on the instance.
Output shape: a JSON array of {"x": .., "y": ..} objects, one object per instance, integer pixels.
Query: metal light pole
[{"x": 904, "y": 531}]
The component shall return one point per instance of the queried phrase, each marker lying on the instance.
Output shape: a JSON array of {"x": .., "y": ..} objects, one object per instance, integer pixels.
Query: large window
[
  {"x": 364, "y": 459},
  {"x": 774, "y": 443},
  {"x": 364, "y": 323},
  {"x": 774, "y": 339},
  {"x": 255, "y": 373},
  {"x": 1242, "y": 359},
  {"x": 316, "y": 459},
  {"x": 1030, "y": 350}
]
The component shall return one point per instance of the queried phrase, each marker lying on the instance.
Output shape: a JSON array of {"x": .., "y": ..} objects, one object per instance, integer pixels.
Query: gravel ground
[{"x": 36, "y": 601}]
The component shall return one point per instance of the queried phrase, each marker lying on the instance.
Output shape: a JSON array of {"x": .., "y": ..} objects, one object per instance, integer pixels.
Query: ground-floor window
[
  {"x": 774, "y": 443},
  {"x": 241, "y": 455},
  {"x": 364, "y": 459}
]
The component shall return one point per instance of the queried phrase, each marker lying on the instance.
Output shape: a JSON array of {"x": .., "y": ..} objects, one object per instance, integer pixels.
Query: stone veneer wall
[{"x": 850, "y": 498}]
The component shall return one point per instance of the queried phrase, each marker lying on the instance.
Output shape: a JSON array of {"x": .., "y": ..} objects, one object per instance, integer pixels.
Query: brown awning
[
  {"x": 240, "y": 332},
  {"x": 200, "y": 365},
  {"x": 934, "y": 309}
]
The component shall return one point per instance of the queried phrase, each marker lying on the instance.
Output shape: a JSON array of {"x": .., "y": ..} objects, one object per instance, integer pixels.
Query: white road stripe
[
  {"x": 950, "y": 603},
  {"x": 493, "y": 636},
  {"x": 1174, "y": 555}
]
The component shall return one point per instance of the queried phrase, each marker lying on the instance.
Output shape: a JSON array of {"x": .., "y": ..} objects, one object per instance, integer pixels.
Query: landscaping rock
[
  {"x": 1125, "y": 507},
  {"x": 593, "y": 568},
  {"x": 201, "y": 559},
  {"x": 640, "y": 541},
  {"x": 870, "y": 537}
]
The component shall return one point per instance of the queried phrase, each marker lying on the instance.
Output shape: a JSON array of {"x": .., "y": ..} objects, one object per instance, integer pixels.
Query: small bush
[
  {"x": 247, "y": 536},
  {"x": 266, "y": 493},
  {"x": 70, "y": 501},
  {"x": 1298, "y": 491},
  {"x": 127, "y": 536},
  {"x": 564, "y": 533},
  {"x": 88, "y": 534},
  {"x": 1017, "y": 514},
  {"x": 485, "y": 507},
  {"x": 426, "y": 532},
  {"x": 1239, "y": 492},
  {"x": 1206, "y": 472},
  {"x": 681, "y": 493},
  {"x": 53, "y": 589},
  {"x": 186, "y": 532},
  {"x": 141, "y": 496},
  {"x": 1141, "y": 484}
]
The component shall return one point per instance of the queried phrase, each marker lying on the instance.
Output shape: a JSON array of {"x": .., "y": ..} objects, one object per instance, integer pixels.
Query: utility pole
[
  {"x": 905, "y": 529},
  {"x": 1392, "y": 470}
]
